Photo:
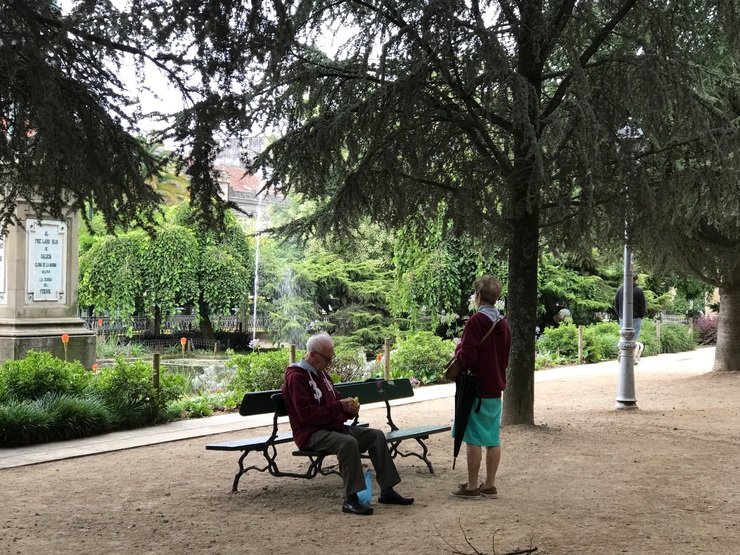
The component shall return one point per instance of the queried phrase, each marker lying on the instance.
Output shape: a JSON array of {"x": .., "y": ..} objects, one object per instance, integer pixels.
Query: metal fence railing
[{"x": 172, "y": 325}]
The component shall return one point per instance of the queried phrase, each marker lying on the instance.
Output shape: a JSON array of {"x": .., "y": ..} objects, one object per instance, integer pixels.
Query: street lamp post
[{"x": 630, "y": 136}]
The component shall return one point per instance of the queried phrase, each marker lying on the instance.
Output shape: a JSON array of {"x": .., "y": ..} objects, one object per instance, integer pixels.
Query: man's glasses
[{"x": 326, "y": 358}]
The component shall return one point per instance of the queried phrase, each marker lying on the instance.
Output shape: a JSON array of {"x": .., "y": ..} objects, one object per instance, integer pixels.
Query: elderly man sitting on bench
[{"x": 317, "y": 417}]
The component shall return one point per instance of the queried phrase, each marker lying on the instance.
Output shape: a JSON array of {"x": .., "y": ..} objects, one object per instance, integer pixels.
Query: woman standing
[{"x": 487, "y": 354}]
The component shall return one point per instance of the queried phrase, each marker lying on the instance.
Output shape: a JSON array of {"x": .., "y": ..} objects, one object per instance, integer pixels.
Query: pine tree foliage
[
  {"x": 505, "y": 113},
  {"x": 66, "y": 137}
]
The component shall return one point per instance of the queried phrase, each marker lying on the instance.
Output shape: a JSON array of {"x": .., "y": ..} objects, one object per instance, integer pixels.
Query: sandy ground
[{"x": 664, "y": 479}]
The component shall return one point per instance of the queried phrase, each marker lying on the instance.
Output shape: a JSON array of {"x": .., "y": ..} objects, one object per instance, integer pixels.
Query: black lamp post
[{"x": 630, "y": 136}]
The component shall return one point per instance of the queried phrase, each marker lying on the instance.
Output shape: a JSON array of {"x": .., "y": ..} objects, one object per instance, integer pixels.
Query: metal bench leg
[
  {"x": 395, "y": 451},
  {"x": 271, "y": 466},
  {"x": 235, "y": 486}
]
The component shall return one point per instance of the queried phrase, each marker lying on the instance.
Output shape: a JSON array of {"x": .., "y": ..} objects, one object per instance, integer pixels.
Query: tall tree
[
  {"x": 502, "y": 112},
  {"x": 490, "y": 108},
  {"x": 182, "y": 263},
  {"x": 686, "y": 205},
  {"x": 70, "y": 122},
  {"x": 225, "y": 265}
]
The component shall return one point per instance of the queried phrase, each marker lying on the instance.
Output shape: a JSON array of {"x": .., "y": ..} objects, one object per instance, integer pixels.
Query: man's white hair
[{"x": 319, "y": 340}]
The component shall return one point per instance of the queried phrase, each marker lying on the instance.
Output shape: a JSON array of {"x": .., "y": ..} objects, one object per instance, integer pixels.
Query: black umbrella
[{"x": 466, "y": 393}]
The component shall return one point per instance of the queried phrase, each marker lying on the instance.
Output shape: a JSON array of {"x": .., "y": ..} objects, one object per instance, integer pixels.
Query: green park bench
[{"x": 371, "y": 391}]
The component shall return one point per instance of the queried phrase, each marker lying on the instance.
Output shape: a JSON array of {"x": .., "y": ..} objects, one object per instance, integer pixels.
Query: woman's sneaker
[
  {"x": 488, "y": 493},
  {"x": 464, "y": 493}
]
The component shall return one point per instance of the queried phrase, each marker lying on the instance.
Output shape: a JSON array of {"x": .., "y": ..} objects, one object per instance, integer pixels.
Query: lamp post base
[{"x": 626, "y": 405}]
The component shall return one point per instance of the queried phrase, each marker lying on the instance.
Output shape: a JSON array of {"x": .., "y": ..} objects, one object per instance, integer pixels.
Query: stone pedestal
[{"x": 38, "y": 289}]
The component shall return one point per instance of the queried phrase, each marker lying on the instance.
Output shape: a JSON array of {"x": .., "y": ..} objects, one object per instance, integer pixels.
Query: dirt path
[{"x": 661, "y": 480}]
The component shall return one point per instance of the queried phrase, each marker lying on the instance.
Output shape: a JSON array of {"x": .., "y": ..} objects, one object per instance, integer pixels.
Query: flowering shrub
[{"x": 706, "y": 328}]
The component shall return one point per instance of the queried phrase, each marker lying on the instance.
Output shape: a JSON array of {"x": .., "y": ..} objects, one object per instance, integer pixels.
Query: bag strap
[{"x": 488, "y": 333}]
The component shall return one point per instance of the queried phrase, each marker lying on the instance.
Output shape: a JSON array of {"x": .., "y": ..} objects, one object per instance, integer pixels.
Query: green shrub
[
  {"x": 648, "y": 338},
  {"x": 204, "y": 404},
  {"x": 561, "y": 340},
  {"x": 128, "y": 389},
  {"x": 195, "y": 407},
  {"x": 52, "y": 417},
  {"x": 548, "y": 360},
  {"x": 349, "y": 364},
  {"x": 76, "y": 416},
  {"x": 601, "y": 341},
  {"x": 259, "y": 371},
  {"x": 421, "y": 355},
  {"x": 41, "y": 373},
  {"x": 676, "y": 338},
  {"x": 23, "y": 422}
]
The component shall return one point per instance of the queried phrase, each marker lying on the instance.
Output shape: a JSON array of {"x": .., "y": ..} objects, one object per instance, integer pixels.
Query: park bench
[{"x": 371, "y": 391}]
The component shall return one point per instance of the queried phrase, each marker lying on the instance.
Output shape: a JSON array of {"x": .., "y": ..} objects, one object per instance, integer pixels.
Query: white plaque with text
[
  {"x": 46, "y": 260},
  {"x": 3, "y": 293}
]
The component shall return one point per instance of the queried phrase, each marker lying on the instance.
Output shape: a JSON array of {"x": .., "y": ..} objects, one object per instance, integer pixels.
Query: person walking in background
[
  {"x": 487, "y": 355},
  {"x": 638, "y": 310}
]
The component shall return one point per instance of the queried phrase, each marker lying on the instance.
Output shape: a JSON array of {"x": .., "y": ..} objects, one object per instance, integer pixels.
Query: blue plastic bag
[{"x": 366, "y": 495}]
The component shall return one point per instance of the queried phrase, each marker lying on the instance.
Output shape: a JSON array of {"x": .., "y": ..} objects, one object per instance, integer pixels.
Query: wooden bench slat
[
  {"x": 376, "y": 391},
  {"x": 259, "y": 402}
]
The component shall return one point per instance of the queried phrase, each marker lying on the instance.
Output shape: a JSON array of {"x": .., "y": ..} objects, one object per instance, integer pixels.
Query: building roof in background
[{"x": 241, "y": 181}]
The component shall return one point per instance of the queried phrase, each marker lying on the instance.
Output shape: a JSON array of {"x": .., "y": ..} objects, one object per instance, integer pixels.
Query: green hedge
[
  {"x": 559, "y": 345},
  {"x": 43, "y": 398},
  {"x": 41, "y": 373}
]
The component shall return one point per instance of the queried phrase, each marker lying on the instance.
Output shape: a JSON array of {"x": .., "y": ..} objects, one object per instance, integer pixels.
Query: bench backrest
[
  {"x": 376, "y": 391},
  {"x": 258, "y": 402},
  {"x": 278, "y": 404},
  {"x": 370, "y": 391}
]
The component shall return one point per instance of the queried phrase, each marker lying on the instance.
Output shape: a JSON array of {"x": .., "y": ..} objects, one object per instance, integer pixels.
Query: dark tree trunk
[
  {"x": 154, "y": 325},
  {"x": 727, "y": 354},
  {"x": 521, "y": 310},
  {"x": 524, "y": 210},
  {"x": 206, "y": 326}
]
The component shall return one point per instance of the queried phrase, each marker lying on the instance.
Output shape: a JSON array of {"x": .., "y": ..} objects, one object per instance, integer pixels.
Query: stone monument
[{"x": 38, "y": 289}]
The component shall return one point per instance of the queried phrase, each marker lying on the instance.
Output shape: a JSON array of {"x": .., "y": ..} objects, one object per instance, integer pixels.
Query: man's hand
[{"x": 349, "y": 406}]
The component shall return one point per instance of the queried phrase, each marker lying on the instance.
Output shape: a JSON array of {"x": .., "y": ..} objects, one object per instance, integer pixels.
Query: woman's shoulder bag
[{"x": 454, "y": 368}]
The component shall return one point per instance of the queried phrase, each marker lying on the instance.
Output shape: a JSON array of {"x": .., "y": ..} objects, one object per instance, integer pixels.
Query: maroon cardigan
[
  {"x": 489, "y": 359},
  {"x": 313, "y": 404}
]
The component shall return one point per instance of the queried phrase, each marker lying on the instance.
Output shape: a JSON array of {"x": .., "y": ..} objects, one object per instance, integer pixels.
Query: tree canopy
[{"x": 502, "y": 114}]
